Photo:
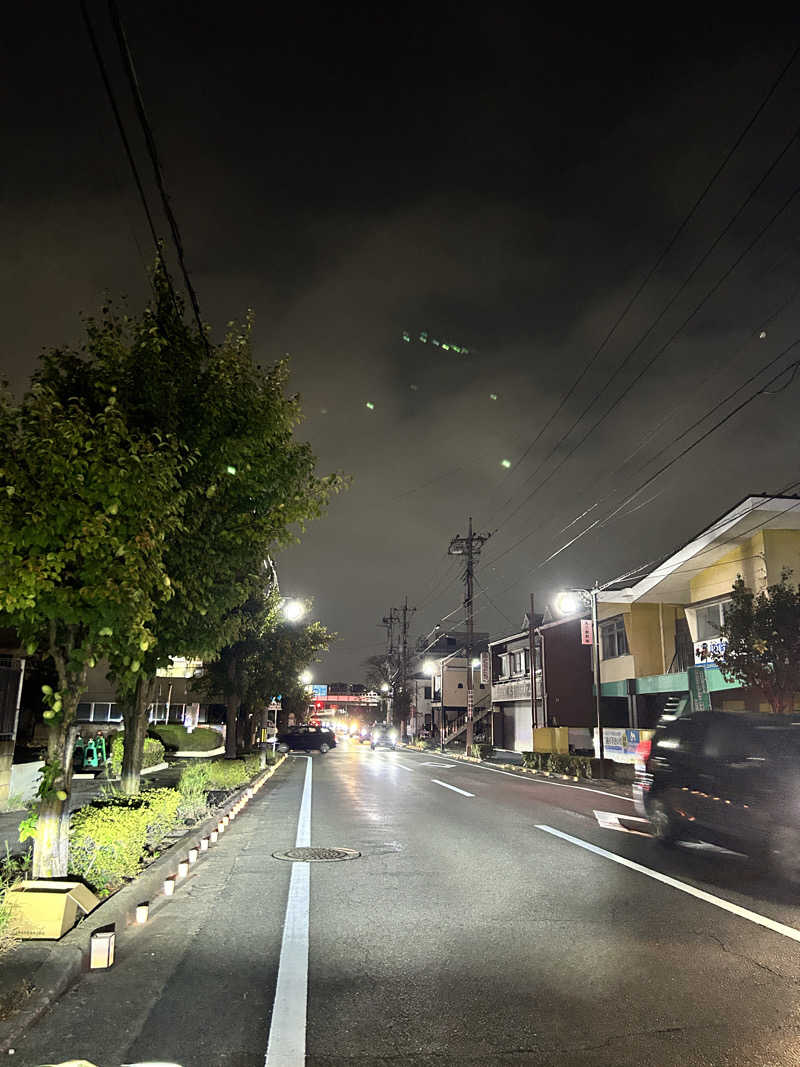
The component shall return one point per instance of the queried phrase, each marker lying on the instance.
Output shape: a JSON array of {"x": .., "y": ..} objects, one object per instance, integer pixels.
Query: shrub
[
  {"x": 109, "y": 840},
  {"x": 226, "y": 774},
  {"x": 556, "y": 763},
  {"x": 107, "y": 844},
  {"x": 192, "y": 789},
  {"x": 175, "y": 736},
  {"x": 480, "y": 751},
  {"x": 153, "y": 754}
]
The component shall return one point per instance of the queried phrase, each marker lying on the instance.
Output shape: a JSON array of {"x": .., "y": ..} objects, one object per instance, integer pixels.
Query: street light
[
  {"x": 293, "y": 610},
  {"x": 570, "y": 602},
  {"x": 305, "y": 678},
  {"x": 385, "y": 687}
]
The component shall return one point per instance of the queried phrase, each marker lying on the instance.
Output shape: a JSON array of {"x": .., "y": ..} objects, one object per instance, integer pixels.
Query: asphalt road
[{"x": 490, "y": 919}]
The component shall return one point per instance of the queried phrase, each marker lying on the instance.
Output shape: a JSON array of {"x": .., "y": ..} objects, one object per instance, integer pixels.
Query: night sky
[{"x": 499, "y": 181}]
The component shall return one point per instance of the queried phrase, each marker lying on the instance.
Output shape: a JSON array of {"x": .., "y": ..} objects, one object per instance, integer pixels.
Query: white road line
[
  {"x": 432, "y": 764},
  {"x": 542, "y": 781},
  {"x": 684, "y": 887},
  {"x": 455, "y": 789},
  {"x": 287, "y": 1033}
]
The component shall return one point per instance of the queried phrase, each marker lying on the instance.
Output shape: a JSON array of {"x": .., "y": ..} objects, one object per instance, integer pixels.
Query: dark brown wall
[{"x": 568, "y": 672}]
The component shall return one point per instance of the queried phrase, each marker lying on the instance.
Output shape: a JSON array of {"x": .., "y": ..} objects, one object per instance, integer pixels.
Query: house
[{"x": 658, "y": 636}]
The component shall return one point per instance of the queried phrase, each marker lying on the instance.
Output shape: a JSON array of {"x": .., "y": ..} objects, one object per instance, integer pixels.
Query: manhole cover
[{"x": 317, "y": 855}]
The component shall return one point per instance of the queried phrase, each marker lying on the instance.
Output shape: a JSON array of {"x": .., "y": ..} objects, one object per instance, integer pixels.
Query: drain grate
[{"x": 317, "y": 855}]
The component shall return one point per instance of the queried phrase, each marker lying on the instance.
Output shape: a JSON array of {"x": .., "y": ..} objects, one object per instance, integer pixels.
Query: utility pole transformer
[{"x": 469, "y": 546}]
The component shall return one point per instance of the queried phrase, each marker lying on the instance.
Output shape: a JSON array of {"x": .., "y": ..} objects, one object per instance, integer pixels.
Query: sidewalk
[{"x": 34, "y": 974}]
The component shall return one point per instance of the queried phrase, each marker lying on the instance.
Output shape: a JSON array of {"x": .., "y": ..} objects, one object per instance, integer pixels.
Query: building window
[
  {"x": 504, "y": 665},
  {"x": 614, "y": 640},
  {"x": 427, "y": 692},
  {"x": 709, "y": 620}
]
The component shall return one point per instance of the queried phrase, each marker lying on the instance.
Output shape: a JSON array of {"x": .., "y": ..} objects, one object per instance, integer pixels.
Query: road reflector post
[
  {"x": 192, "y": 857},
  {"x": 204, "y": 844},
  {"x": 183, "y": 868},
  {"x": 169, "y": 886},
  {"x": 142, "y": 913}
]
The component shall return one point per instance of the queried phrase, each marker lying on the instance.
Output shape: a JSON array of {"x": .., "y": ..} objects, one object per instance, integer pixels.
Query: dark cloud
[{"x": 501, "y": 181}]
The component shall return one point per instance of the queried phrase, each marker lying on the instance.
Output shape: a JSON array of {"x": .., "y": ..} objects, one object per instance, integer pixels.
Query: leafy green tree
[
  {"x": 762, "y": 635},
  {"x": 264, "y": 662},
  {"x": 86, "y": 505},
  {"x": 250, "y": 487}
]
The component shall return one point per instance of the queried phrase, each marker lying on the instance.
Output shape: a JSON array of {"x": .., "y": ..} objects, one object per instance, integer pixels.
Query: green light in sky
[
  {"x": 505, "y": 463},
  {"x": 370, "y": 405},
  {"x": 493, "y": 396}
]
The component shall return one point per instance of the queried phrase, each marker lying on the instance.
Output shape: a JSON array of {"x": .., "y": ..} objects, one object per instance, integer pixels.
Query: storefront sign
[
  {"x": 620, "y": 745},
  {"x": 319, "y": 691},
  {"x": 486, "y": 668},
  {"x": 699, "y": 697},
  {"x": 704, "y": 651},
  {"x": 519, "y": 690}
]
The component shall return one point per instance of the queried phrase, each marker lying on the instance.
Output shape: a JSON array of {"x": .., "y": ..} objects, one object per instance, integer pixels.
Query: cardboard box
[{"x": 46, "y": 909}]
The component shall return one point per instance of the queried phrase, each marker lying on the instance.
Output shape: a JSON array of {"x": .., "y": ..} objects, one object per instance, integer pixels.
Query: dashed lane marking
[{"x": 455, "y": 789}]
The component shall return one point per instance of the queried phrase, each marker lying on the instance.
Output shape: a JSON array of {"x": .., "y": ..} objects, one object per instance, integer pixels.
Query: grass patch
[{"x": 177, "y": 738}]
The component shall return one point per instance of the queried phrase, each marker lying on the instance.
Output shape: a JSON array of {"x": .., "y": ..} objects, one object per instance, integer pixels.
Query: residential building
[{"x": 658, "y": 636}]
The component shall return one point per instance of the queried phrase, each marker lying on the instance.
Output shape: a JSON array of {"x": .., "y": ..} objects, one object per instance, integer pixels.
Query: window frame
[{"x": 610, "y": 630}]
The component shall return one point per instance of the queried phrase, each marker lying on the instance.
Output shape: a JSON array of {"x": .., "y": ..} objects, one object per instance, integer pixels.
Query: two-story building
[{"x": 658, "y": 636}]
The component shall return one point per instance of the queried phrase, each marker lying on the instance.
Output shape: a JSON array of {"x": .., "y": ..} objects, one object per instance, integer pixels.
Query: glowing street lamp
[
  {"x": 570, "y": 602},
  {"x": 305, "y": 678},
  {"x": 293, "y": 610},
  {"x": 385, "y": 687}
]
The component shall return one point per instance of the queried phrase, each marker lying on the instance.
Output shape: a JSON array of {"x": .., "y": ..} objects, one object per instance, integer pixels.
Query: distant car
[
  {"x": 727, "y": 778},
  {"x": 383, "y": 733},
  {"x": 307, "y": 739},
  {"x": 364, "y": 735}
]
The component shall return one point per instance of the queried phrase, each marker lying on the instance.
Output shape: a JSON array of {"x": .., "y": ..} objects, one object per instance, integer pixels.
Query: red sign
[{"x": 587, "y": 632}]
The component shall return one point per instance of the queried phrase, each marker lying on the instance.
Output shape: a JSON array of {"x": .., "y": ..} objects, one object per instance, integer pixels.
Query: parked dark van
[{"x": 727, "y": 778}]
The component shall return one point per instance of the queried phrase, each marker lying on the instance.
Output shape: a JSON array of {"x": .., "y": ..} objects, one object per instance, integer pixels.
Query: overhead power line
[
  {"x": 660, "y": 351},
  {"x": 661, "y": 258},
  {"x": 133, "y": 81},
  {"x": 98, "y": 55}
]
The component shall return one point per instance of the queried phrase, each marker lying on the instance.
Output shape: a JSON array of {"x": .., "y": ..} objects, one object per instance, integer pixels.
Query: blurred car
[
  {"x": 307, "y": 739},
  {"x": 727, "y": 778},
  {"x": 364, "y": 735},
  {"x": 383, "y": 733}
]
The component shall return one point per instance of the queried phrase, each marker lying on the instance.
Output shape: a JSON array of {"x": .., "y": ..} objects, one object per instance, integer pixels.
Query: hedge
[
  {"x": 175, "y": 736},
  {"x": 555, "y": 763},
  {"x": 152, "y": 756},
  {"x": 110, "y": 840}
]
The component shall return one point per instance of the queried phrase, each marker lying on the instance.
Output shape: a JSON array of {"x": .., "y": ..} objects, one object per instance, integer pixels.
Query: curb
[{"x": 66, "y": 959}]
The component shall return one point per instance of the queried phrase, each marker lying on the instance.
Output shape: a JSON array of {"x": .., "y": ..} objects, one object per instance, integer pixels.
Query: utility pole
[
  {"x": 469, "y": 546},
  {"x": 404, "y": 703}
]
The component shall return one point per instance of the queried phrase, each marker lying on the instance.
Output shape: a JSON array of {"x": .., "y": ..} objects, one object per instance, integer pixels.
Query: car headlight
[{"x": 393, "y": 735}]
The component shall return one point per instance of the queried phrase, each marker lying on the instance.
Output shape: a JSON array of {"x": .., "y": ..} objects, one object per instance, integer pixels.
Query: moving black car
[
  {"x": 383, "y": 733},
  {"x": 727, "y": 778},
  {"x": 307, "y": 738}
]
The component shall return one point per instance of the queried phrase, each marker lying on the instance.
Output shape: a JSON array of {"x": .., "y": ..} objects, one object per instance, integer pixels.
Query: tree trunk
[
  {"x": 51, "y": 840},
  {"x": 51, "y": 844},
  {"x": 135, "y": 716},
  {"x": 233, "y": 705}
]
